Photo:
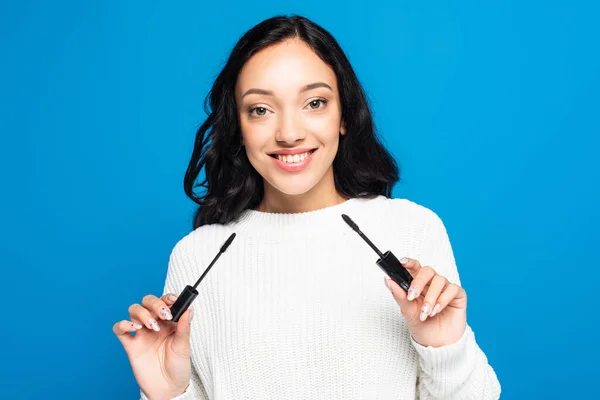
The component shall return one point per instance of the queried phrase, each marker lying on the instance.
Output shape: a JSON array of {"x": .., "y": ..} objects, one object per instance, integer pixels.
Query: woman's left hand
[{"x": 435, "y": 310}]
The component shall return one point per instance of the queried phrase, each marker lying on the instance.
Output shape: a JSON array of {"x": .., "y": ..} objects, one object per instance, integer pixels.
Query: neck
[{"x": 323, "y": 195}]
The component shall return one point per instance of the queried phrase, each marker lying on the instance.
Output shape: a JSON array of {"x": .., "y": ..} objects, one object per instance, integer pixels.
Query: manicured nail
[
  {"x": 166, "y": 313},
  {"x": 424, "y": 312},
  {"x": 154, "y": 324},
  {"x": 171, "y": 297},
  {"x": 403, "y": 260},
  {"x": 412, "y": 293},
  {"x": 135, "y": 325},
  {"x": 435, "y": 310}
]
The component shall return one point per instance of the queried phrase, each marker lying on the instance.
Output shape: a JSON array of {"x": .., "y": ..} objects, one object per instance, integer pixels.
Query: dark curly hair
[{"x": 362, "y": 166}]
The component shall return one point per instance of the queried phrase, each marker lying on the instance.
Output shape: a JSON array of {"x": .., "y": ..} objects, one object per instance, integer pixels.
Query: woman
[{"x": 296, "y": 307}]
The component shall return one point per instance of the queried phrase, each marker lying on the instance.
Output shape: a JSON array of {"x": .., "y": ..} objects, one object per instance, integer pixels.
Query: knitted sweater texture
[{"x": 296, "y": 308}]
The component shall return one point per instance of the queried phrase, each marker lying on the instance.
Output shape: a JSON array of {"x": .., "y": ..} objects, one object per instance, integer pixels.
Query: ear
[{"x": 343, "y": 128}]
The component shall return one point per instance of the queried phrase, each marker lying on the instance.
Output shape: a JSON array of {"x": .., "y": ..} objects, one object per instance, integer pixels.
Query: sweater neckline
[{"x": 308, "y": 223}]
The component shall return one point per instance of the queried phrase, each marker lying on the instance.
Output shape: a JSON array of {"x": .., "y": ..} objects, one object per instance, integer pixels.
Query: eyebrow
[{"x": 305, "y": 88}]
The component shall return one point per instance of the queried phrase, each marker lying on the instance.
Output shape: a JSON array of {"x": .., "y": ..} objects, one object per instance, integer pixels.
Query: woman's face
[{"x": 290, "y": 115}]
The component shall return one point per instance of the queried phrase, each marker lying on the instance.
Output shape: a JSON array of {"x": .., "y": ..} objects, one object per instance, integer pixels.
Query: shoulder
[
  {"x": 406, "y": 212},
  {"x": 192, "y": 252},
  {"x": 400, "y": 222},
  {"x": 424, "y": 236},
  {"x": 201, "y": 239},
  {"x": 410, "y": 228}
]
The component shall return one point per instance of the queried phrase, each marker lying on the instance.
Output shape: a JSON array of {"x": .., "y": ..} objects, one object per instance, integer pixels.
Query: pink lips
[{"x": 293, "y": 167}]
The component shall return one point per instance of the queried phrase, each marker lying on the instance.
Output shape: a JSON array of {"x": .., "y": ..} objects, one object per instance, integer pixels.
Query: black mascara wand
[
  {"x": 221, "y": 251},
  {"x": 189, "y": 293},
  {"x": 362, "y": 235},
  {"x": 387, "y": 261}
]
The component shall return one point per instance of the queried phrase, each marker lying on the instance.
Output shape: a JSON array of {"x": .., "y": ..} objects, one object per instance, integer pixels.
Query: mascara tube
[
  {"x": 392, "y": 267},
  {"x": 183, "y": 302}
]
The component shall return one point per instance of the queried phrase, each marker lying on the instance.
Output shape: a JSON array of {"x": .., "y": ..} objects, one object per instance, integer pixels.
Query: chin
[{"x": 293, "y": 187}]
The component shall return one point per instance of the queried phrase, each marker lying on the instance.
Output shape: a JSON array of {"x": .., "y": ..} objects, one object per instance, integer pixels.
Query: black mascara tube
[
  {"x": 189, "y": 293},
  {"x": 387, "y": 261}
]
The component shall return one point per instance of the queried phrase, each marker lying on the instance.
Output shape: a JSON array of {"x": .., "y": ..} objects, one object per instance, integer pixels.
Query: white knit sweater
[{"x": 297, "y": 309}]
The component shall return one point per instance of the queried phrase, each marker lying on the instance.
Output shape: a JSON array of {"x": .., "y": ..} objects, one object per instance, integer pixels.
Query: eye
[
  {"x": 257, "y": 111},
  {"x": 316, "y": 103}
]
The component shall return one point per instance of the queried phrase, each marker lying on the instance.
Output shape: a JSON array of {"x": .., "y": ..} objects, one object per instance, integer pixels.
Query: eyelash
[{"x": 320, "y": 99}]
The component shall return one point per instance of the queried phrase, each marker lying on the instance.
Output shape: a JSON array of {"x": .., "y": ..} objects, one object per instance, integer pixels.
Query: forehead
[{"x": 288, "y": 65}]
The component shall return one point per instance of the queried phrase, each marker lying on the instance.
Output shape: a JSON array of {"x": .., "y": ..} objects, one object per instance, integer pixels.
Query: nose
[{"x": 289, "y": 130}]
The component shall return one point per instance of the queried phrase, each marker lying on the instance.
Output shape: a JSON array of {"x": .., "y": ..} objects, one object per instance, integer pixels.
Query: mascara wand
[
  {"x": 189, "y": 293},
  {"x": 387, "y": 261},
  {"x": 362, "y": 235}
]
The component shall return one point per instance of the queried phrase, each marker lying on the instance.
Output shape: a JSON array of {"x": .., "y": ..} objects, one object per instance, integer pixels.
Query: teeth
[{"x": 293, "y": 158}]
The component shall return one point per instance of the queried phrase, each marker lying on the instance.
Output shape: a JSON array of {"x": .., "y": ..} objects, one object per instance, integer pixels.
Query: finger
[
  {"x": 409, "y": 309},
  {"x": 169, "y": 299},
  {"x": 123, "y": 329},
  {"x": 158, "y": 307},
  {"x": 419, "y": 282},
  {"x": 181, "y": 339},
  {"x": 413, "y": 266},
  {"x": 452, "y": 293},
  {"x": 436, "y": 287},
  {"x": 139, "y": 313}
]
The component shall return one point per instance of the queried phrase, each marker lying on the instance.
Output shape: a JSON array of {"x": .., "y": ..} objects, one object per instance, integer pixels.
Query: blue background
[{"x": 491, "y": 109}]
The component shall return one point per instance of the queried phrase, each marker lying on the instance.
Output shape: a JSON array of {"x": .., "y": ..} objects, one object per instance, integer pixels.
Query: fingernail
[
  {"x": 403, "y": 260},
  {"x": 191, "y": 314},
  {"x": 135, "y": 325},
  {"x": 435, "y": 310},
  {"x": 154, "y": 324},
  {"x": 412, "y": 293},
  {"x": 424, "y": 312},
  {"x": 166, "y": 313},
  {"x": 171, "y": 297}
]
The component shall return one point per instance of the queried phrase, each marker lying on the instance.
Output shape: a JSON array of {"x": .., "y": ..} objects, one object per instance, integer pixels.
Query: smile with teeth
[{"x": 295, "y": 158}]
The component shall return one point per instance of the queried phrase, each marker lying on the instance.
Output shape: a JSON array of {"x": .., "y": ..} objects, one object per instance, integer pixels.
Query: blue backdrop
[{"x": 491, "y": 109}]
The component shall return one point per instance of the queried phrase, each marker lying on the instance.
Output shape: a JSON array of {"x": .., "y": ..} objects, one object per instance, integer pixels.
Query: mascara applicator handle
[
  {"x": 183, "y": 302},
  {"x": 392, "y": 266}
]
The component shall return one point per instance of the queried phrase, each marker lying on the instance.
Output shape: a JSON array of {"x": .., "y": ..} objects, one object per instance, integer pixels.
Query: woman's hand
[
  {"x": 435, "y": 310},
  {"x": 159, "y": 352}
]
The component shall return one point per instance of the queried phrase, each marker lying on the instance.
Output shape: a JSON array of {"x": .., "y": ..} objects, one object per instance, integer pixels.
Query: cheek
[
  {"x": 255, "y": 138},
  {"x": 326, "y": 131},
  {"x": 325, "y": 127}
]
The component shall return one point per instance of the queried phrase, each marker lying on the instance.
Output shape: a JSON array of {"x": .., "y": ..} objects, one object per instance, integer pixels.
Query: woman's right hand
[{"x": 159, "y": 352}]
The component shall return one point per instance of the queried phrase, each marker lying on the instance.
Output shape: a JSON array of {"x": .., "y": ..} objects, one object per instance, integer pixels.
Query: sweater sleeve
[
  {"x": 174, "y": 283},
  {"x": 461, "y": 370},
  {"x": 195, "y": 391}
]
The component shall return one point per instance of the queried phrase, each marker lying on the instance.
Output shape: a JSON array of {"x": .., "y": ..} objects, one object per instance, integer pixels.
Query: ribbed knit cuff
[
  {"x": 190, "y": 393},
  {"x": 449, "y": 365}
]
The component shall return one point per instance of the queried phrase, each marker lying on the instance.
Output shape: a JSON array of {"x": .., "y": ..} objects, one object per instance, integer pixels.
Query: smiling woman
[
  {"x": 296, "y": 309},
  {"x": 289, "y": 126},
  {"x": 287, "y": 89}
]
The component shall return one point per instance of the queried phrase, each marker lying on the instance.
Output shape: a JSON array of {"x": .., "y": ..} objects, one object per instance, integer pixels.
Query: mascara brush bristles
[{"x": 351, "y": 223}]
